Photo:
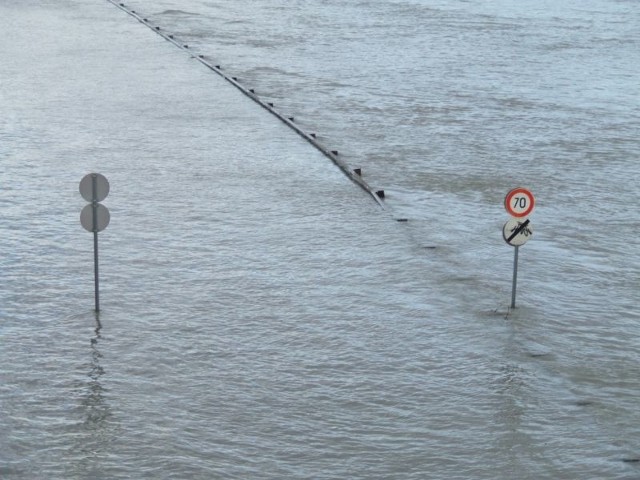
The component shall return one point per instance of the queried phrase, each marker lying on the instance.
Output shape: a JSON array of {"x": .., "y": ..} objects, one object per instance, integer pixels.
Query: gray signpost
[
  {"x": 95, "y": 217},
  {"x": 519, "y": 202}
]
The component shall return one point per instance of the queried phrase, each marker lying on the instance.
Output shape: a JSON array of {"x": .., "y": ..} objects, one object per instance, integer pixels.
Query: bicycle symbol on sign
[{"x": 526, "y": 231}]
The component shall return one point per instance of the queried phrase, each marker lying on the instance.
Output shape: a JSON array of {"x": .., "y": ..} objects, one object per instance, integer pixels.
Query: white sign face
[
  {"x": 101, "y": 185},
  {"x": 519, "y": 202},
  {"x": 101, "y": 221},
  {"x": 516, "y": 232}
]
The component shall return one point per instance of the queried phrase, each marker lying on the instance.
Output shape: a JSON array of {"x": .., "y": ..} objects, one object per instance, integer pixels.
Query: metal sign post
[
  {"x": 515, "y": 277},
  {"x": 95, "y": 217},
  {"x": 519, "y": 202}
]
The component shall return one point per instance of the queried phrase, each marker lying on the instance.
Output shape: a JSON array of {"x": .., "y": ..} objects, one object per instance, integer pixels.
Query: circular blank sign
[
  {"x": 101, "y": 185},
  {"x": 101, "y": 221}
]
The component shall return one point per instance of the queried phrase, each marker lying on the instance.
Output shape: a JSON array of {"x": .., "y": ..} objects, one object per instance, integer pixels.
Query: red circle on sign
[{"x": 519, "y": 202}]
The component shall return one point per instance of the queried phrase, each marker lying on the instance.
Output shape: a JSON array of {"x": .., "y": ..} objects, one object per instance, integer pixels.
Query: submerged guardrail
[{"x": 353, "y": 174}]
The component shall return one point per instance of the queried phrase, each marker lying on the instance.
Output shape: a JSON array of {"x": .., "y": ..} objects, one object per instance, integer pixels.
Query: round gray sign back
[
  {"x": 101, "y": 221},
  {"x": 101, "y": 186}
]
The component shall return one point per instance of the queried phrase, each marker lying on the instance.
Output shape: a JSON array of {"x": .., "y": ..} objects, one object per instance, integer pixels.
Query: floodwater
[{"x": 262, "y": 316}]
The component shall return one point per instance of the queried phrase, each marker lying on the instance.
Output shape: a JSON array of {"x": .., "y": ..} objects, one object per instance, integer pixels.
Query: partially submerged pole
[
  {"x": 515, "y": 277},
  {"x": 94, "y": 218}
]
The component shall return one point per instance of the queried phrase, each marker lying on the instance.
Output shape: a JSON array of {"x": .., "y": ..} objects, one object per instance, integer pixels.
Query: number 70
[{"x": 520, "y": 202}]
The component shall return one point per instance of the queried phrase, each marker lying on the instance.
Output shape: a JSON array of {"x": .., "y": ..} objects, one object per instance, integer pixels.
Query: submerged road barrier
[{"x": 332, "y": 155}]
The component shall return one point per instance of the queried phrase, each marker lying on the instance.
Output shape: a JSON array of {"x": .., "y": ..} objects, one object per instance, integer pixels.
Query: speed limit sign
[{"x": 519, "y": 202}]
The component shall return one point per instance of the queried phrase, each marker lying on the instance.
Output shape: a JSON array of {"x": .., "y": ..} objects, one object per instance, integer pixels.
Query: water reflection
[
  {"x": 97, "y": 410},
  {"x": 96, "y": 428},
  {"x": 511, "y": 388}
]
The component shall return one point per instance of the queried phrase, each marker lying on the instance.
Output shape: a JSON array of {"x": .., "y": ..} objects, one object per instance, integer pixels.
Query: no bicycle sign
[{"x": 516, "y": 232}]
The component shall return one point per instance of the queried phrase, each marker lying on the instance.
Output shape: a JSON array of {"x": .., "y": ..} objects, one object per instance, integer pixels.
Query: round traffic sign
[
  {"x": 102, "y": 218},
  {"x": 516, "y": 232},
  {"x": 88, "y": 183},
  {"x": 519, "y": 202}
]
